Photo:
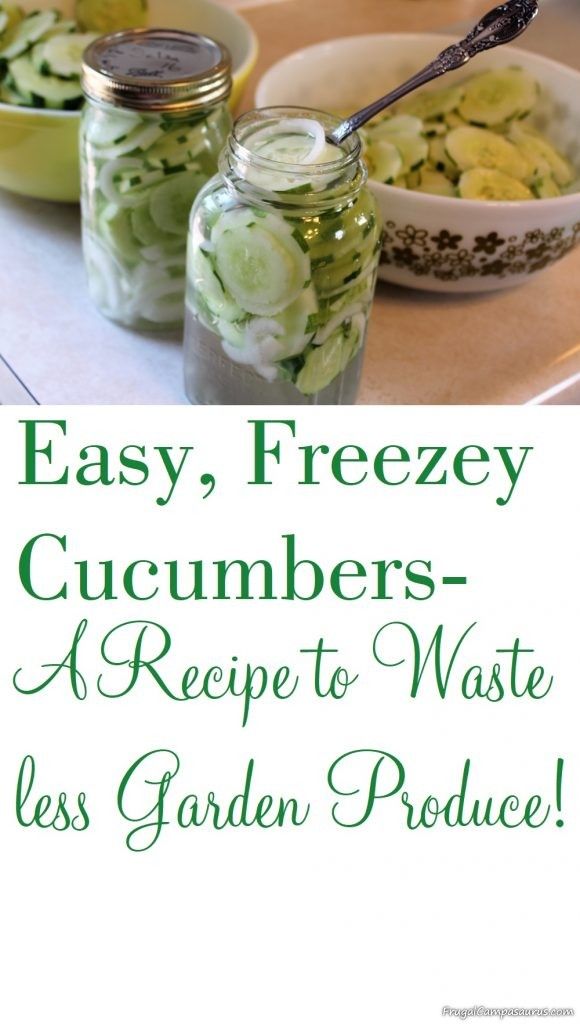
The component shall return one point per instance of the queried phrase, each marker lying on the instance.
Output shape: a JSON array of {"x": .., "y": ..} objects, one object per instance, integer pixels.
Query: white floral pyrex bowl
[{"x": 433, "y": 242}]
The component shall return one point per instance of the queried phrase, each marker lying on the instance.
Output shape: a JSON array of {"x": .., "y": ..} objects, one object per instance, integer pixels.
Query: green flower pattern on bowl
[{"x": 443, "y": 256}]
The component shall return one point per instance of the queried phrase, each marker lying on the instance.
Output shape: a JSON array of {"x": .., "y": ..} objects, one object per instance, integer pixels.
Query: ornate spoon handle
[{"x": 499, "y": 26}]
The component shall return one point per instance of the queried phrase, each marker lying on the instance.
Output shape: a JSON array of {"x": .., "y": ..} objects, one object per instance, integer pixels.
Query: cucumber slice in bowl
[
  {"x": 384, "y": 161},
  {"x": 62, "y": 55},
  {"x": 543, "y": 156},
  {"x": 545, "y": 188},
  {"x": 261, "y": 264},
  {"x": 27, "y": 32},
  {"x": 10, "y": 17},
  {"x": 435, "y": 104},
  {"x": 476, "y": 147},
  {"x": 55, "y": 92},
  {"x": 496, "y": 97},
  {"x": 434, "y": 183},
  {"x": 483, "y": 183}
]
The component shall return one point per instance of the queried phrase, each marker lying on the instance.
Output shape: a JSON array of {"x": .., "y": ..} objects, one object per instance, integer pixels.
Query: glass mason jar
[
  {"x": 154, "y": 124},
  {"x": 282, "y": 262}
]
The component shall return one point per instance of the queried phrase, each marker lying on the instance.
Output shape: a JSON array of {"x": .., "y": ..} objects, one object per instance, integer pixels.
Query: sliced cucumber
[
  {"x": 440, "y": 161},
  {"x": 498, "y": 96},
  {"x": 431, "y": 129},
  {"x": 434, "y": 183},
  {"x": 103, "y": 131},
  {"x": 63, "y": 27},
  {"x": 104, "y": 16},
  {"x": 176, "y": 147},
  {"x": 477, "y": 147},
  {"x": 545, "y": 188},
  {"x": 207, "y": 283},
  {"x": 414, "y": 150},
  {"x": 542, "y": 155},
  {"x": 260, "y": 263},
  {"x": 55, "y": 92},
  {"x": 139, "y": 140},
  {"x": 325, "y": 363},
  {"x": 262, "y": 340},
  {"x": 10, "y": 17},
  {"x": 453, "y": 120},
  {"x": 435, "y": 104},
  {"x": 489, "y": 185},
  {"x": 62, "y": 55},
  {"x": 116, "y": 230},
  {"x": 384, "y": 161},
  {"x": 172, "y": 201},
  {"x": 145, "y": 229},
  {"x": 27, "y": 32},
  {"x": 404, "y": 123}
]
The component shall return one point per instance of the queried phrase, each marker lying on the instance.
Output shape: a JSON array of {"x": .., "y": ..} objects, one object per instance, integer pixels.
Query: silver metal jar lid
[{"x": 158, "y": 70}]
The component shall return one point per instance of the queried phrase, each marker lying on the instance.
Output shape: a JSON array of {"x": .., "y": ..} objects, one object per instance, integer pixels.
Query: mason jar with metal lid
[
  {"x": 282, "y": 266},
  {"x": 153, "y": 127}
]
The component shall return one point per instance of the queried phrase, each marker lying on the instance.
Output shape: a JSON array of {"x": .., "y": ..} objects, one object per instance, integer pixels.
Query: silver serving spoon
[{"x": 499, "y": 26}]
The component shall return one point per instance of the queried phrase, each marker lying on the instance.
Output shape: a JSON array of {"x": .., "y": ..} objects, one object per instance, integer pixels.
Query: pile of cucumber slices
[
  {"x": 471, "y": 141},
  {"x": 41, "y": 59}
]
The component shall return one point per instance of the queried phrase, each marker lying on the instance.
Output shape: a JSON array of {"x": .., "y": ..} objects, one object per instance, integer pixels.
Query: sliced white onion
[
  {"x": 303, "y": 126},
  {"x": 336, "y": 322},
  {"x": 309, "y": 127},
  {"x": 109, "y": 187}
]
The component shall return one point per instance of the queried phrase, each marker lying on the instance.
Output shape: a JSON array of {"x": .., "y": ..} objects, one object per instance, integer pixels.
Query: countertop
[{"x": 501, "y": 348}]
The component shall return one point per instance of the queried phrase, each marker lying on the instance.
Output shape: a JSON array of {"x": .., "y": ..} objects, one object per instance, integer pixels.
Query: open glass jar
[
  {"x": 154, "y": 125},
  {"x": 282, "y": 261}
]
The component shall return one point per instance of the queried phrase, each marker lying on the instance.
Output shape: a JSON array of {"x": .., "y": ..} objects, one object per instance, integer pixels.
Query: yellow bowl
[{"x": 39, "y": 148}]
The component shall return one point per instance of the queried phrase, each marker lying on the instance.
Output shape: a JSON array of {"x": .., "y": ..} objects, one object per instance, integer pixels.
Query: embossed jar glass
[{"x": 282, "y": 266}]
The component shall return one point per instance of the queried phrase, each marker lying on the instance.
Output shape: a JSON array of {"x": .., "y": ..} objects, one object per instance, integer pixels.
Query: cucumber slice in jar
[
  {"x": 27, "y": 32},
  {"x": 323, "y": 364},
  {"x": 176, "y": 147},
  {"x": 434, "y": 104},
  {"x": 261, "y": 264},
  {"x": 201, "y": 273},
  {"x": 62, "y": 55},
  {"x": 104, "y": 16},
  {"x": 55, "y": 92},
  {"x": 495, "y": 97},
  {"x": 493, "y": 186},
  {"x": 477, "y": 147},
  {"x": 145, "y": 229},
  {"x": 116, "y": 231},
  {"x": 542, "y": 155},
  {"x": 171, "y": 202},
  {"x": 140, "y": 139},
  {"x": 103, "y": 131}
]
